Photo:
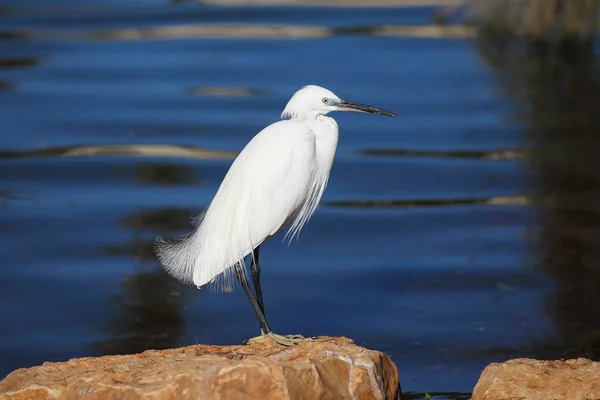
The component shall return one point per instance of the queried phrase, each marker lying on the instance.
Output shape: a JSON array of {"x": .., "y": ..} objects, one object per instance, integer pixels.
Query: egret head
[{"x": 312, "y": 101}]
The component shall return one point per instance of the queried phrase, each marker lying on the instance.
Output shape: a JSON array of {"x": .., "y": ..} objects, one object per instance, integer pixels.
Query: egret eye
[{"x": 325, "y": 100}]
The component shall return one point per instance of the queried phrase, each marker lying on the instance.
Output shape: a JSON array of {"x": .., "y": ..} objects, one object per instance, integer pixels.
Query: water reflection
[
  {"x": 148, "y": 309},
  {"x": 123, "y": 150},
  {"x": 333, "y": 3},
  {"x": 165, "y": 174},
  {"x": 426, "y": 31},
  {"x": 6, "y": 35},
  {"x": 20, "y": 62},
  {"x": 557, "y": 88},
  {"x": 146, "y": 315},
  {"x": 420, "y": 31},
  {"x": 226, "y": 91},
  {"x": 436, "y": 395},
  {"x": 476, "y": 154},
  {"x": 239, "y": 31},
  {"x": 4, "y": 85},
  {"x": 498, "y": 200},
  {"x": 146, "y": 225},
  {"x": 5, "y": 196},
  {"x": 256, "y": 31},
  {"x": 212, "y": 31}
]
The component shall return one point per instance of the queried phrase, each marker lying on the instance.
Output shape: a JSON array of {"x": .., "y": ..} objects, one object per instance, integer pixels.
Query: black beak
[{"x": 351, "y": 106}]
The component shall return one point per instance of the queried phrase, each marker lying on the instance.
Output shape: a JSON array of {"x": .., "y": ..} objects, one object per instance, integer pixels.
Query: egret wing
[{"x": 265, "y": 186}]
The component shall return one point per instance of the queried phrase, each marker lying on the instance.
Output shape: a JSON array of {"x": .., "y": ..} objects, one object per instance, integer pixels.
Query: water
[{"x": 435, "y": 241}]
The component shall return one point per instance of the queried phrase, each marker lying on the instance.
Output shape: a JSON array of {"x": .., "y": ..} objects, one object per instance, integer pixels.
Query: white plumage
[
  {"x": 279, "y": 177},
  {"x": 276, "y": 180}
]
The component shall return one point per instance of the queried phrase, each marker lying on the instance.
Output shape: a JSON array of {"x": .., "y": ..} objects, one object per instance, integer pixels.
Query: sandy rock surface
[
  {"x": 326, "y": 368},
  {"x": 524, "y": 378}
]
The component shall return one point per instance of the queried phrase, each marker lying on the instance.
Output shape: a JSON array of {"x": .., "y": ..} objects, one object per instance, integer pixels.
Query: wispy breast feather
[{"x": 311, "y": 202}]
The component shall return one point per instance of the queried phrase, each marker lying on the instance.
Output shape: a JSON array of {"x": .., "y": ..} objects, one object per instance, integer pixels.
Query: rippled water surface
[{"x": 441, "y": 235}]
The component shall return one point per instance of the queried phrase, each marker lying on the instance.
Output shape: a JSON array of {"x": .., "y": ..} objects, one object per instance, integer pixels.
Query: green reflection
[{"x": 553, "y": 75}]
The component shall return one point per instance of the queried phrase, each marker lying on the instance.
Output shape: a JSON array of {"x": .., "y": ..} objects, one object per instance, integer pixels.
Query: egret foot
[
  {"x": 284, "y": 340},
  {"x": 297, "y": 337}
]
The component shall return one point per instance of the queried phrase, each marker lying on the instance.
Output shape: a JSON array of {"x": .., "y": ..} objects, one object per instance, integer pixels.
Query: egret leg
[
  {"x": 255, "y": 269},
  {"x": 257, "y": 304},
  {"x": 264, "y": 325}
]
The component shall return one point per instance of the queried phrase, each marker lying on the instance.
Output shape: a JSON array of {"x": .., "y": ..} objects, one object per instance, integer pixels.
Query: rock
[
  {"x": 524, "y": 378},
  {"x": 323, "y": 368}
]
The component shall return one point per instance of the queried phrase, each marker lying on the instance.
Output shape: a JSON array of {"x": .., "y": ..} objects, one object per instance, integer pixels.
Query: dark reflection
[
  {"x": 164, "y": 219},
  {"x": 22, "y": 62},
  {"x": 147, "y": 315},
  {"x": 148, "y": 309},
  {"x": 555, "y": 80},
  {"x": 475, "y": 154},
  {"x": 8, "y": 195},
  {"x": 355, "y": 30},
  {"x": 426, "y": 202},
  {"x": 32, "y": 153},
  {"x": 4, "y": 85},
  {"x": 4, "y": 35},
  {"x": 381, "y": 280},
  {"x": 161, "y": 222},
  {"x": 165, "y": 174}
]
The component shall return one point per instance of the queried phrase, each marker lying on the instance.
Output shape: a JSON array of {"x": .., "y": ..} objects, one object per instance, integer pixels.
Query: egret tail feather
[
  {"x": 187, "y": 260},
  {"x": 177, "y": 257}
]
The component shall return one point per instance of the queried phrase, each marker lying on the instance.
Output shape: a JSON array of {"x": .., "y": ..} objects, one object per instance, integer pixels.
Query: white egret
[{"x": 277, "y": 180}]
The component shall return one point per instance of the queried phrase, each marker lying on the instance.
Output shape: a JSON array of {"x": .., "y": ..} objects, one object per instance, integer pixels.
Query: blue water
[{"x": 425, "y": 245}]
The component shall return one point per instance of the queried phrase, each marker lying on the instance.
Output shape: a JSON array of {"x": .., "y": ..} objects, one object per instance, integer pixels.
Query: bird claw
[
  {"x": 284, "y": 340},
  {"x": 297, "y": 338}
]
